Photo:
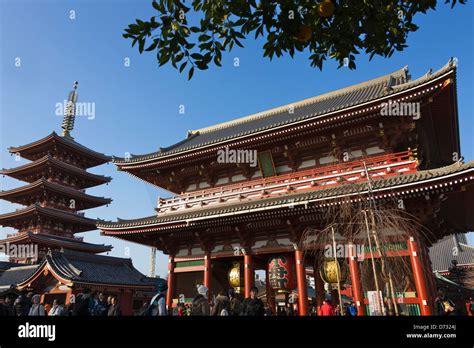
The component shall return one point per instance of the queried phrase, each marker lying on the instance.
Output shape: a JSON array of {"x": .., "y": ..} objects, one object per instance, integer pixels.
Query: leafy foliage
[{"x": 338, "y": 29}]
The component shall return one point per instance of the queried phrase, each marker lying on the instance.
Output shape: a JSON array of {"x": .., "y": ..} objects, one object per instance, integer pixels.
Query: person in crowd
[
  {"x": 37, "y": 309},
  {"x": 235, "y": 303},
  {"x": 161, "y": 303},
  {"x": 221, "y": 305},
  {"x": 326, "y": 309},
  {"x": 188, "y": 310},
  {"x": 93, "y": 302},
  {"x": 9, "y": 309},
  {"x": 3, "y": 310},
  {"x": 181, "y": 310},
  {"x": 143, "y": 309},
  {"x": 253, "y": 306},
  {"x": 200, "y": 304},
  {"x": 82, "y": 305},
  {"x": 443, "y": 305},
  {"x": 469, "y": 306},
  {"x": 114, "y": 309},
  {"x": 352, "y": 309},
  {"x": 56, "y": 310},
  {"x": 21, "y": 305},
  {"x": 268, "y": 311},
  {"x": 100, "y": 305},
  {"x": 29, "y": 298}
]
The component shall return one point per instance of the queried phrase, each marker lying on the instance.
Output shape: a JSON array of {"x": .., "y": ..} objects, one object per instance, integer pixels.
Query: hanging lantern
[
  {"x": 280, "y": 273},
  {"x": 330, "y": 269},
  {"x": 235, "y": 276},
  {"x": 326, "y": 8}
]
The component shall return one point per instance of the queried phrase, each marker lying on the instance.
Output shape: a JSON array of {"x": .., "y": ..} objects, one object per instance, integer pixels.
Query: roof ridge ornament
[{"x": 70, "y": 112}]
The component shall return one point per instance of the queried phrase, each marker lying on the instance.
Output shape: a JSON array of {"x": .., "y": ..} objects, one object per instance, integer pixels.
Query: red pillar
[
  {"x": 208, "y": 274},
  {"x": 171, "y": 282},
  {"x": 301, "y": 284},
  {"x": 420, "y": 281},
  {"x": 249, "y": 275},
  {"x": 356, "y": 284},
  {"x": 318, "y": 285}
]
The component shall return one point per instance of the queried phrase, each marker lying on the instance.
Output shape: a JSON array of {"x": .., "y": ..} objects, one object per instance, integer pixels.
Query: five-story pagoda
[{"x": 54, "y": 196}]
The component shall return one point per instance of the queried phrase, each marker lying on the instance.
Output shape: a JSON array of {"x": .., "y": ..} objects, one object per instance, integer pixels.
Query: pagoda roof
[
  {"x": 78, "y": 267},
  {"x": 441, "y": 253},
  {"x": 90, "y": 201},
  {"x": 42, "y": 146},
  {"x": 35, "y": 209},
  {"x": 48, "y": 160},
  {"x": 13, "y": 273},
  {"x": 320, "y": 107},
  {"x": 59, "y": 241}
]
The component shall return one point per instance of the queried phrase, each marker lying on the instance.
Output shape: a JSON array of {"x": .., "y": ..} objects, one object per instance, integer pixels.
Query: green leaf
[
  {"x": 204, "y": 37},
  {"x": 196, "y": 56},
  {"x": 190, "y": 73}
]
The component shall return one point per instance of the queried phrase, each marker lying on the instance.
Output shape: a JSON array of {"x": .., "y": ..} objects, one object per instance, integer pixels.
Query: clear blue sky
[{"x": 137, "y": 107}]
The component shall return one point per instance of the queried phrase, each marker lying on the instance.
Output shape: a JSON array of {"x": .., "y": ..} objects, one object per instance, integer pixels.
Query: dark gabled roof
[
  {"x": 12, "y": 274},
  {"x": 98, "y": 269},
  {"x": 87, "y": 224},
  {"x": 50, "y": 160},
  {"x": 63, "y": 242},
  {"x": 92, "y": 201},
  {"x": 453, "y": 247},
  {"x": 315, "y": 107},
  {"x": 321, "y": 193},
  {"x": 52, "y": 139}
]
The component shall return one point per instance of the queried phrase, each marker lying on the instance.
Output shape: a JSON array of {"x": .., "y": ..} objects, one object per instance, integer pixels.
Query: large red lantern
[{"x": 281, "y": 270}]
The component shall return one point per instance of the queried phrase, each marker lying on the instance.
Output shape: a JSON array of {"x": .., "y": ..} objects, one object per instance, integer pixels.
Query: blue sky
[{"x": 137, "y": 107}]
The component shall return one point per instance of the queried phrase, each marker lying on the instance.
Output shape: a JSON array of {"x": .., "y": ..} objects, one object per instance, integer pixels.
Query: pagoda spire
[{"x": 70, "y": 112}]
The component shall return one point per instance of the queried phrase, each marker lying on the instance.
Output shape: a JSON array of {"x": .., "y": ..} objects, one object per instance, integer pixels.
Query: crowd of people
[
  {"x": 84, "y": 304},
  {"x": 226, "y": 303}
]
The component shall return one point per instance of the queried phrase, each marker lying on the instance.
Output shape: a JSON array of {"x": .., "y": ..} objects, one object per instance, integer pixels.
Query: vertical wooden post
[
  {"x": 356, "y": 284},
  {"x": 420, "y": 281},
  {"x": 249, "y": 275},
  {"x": 208, "y": 274},
  {"x": 318, "y": 285},
  {"x": 301, "y": 284},
  {"x": 171, "y": 282}
]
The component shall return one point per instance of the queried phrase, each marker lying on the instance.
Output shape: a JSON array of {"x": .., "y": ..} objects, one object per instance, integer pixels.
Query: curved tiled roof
[
  {"x": 98, "y": 269},
  {"x": 60, "y": 214},
  {"x": 43, "y": 183},
  {"x": 100, "y": 158},
  {"x": 448, "y": 249},
  {"x": 13, "y": 274},
  {"x": 318, "y": 106},
  {"x": 384, "y": 184},
  {"x": 64, "y": 242},
  {"x": 68, "y": 168}
]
